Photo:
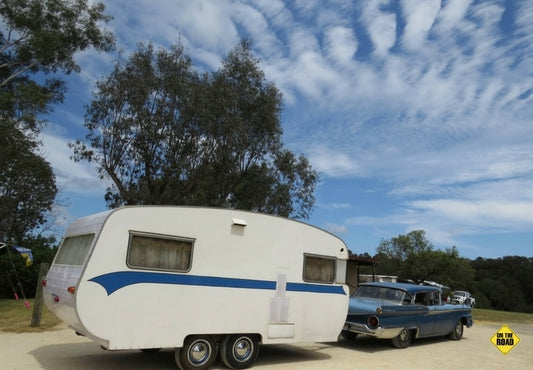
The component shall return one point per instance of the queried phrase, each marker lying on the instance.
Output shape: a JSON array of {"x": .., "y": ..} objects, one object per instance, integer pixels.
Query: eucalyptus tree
[
  {"x": 27, "y": 186},
  {"x": 37, "y": 39},
  {"x": 166, "y": 134}
]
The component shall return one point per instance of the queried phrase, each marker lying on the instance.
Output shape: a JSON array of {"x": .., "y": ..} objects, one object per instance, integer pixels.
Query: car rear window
[{"x": 383, "y": 293}]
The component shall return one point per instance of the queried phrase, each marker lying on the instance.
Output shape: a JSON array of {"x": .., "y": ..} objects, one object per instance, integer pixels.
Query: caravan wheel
[
  {"x": 239, "y": 351},
  {"x": 198, "y": 352}
]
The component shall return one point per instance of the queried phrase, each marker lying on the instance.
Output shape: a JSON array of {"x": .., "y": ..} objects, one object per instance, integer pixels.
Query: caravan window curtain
[
  {"x": 74, "y": 250},
  {"x": 159, "y": 253},
  {"x": 319, "y": 269}
]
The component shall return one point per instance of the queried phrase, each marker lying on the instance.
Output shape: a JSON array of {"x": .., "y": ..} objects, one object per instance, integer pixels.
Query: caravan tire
[
  {"x": 239, "y": 351},
  {"x": 150, "y": 350},
  {"x": 198, "y": 352}
]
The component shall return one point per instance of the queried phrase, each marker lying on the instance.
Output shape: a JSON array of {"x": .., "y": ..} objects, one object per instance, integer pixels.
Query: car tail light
[
  {"x": 44, "y": 282},
  {"x": 373, "y": 321}
]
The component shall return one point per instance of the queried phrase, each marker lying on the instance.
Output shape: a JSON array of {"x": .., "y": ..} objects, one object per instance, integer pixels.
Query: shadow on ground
[{"x": 88, "y": 356}]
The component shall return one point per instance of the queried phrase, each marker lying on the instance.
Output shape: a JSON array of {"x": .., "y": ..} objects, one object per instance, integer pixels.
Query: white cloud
[
  {"x": 381, "y": 26},
  {"x": 331, "y": 163},
  {"x": 484, "y": 215},
  {"x": 340, "y": 205},
  {"x": 75, "y": 177},
  {"x": 419, "y": 18},
  {"x": 340, "y": 45},
  {"x": 336, "y": 229},
  {"x": 453, "y": 13},
  {"x": 436, "y": 106}
]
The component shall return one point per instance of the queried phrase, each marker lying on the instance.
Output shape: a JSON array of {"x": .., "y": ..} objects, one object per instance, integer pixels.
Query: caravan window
[
  {"x": 159, "y": 252},
  {"x": 74, "y": 250},
  {"x": 318, "y": 269}
]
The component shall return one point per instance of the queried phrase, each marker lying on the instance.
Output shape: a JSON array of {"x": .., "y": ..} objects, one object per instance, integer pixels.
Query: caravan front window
[
  {"x": 74, "y": 250},
  {"x": 160, "y": 252},
  {"x": 318, "y": 269}
]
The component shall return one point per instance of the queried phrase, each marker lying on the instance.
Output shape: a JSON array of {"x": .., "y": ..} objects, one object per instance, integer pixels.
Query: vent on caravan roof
[{"x": 239, "y": 222}]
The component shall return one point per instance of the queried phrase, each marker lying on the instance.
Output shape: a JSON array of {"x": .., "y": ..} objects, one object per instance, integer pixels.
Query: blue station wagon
[{"x": 402, "y": 312}]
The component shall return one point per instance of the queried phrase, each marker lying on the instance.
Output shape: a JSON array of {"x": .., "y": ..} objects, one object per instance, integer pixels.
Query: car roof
[{"x": 409, "y": 288}]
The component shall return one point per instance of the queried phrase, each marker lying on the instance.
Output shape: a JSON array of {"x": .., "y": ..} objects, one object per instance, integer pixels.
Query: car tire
[
  {"x": 403, "y": 339},
  {"x": 457, "y": 332}
]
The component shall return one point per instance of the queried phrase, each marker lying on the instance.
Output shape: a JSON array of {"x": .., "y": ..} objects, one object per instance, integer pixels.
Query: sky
[{"x": 417, "y": 114}]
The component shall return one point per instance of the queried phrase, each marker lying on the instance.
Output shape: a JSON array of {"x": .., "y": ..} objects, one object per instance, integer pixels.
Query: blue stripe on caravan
[{"x": 116, "y": 280}]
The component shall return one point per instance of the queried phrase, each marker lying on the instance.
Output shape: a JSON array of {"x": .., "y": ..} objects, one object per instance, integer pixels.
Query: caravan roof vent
[{"x": 239, "y": 222}]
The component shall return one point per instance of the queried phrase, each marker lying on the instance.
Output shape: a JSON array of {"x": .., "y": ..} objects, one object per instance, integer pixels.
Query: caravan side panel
[{"x": 246, "y": 276}]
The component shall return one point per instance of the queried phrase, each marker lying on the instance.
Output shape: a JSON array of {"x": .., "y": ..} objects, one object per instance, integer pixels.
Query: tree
[
  {"x": 44, "y": 35},
  {"x": 27, "y": 189},
  {"x": 399, "y": 250},
  {"x": 37, "y": 37},
  {"x": 166, "y": 135},
  {"x": 506, "y": 282},
  {"x": 412, "y": 257}
]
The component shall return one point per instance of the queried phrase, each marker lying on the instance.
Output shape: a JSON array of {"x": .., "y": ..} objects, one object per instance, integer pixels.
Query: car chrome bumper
[{"x": 379, "y": 332}]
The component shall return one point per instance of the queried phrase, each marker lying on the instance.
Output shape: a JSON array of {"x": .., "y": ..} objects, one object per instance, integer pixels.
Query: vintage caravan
[{"x": 205, "y": 281}]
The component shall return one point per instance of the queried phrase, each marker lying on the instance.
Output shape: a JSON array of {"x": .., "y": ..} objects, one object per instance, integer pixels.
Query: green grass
[
  {"x": 15, "y": 317},
  {"x": 480, "y": 314}
]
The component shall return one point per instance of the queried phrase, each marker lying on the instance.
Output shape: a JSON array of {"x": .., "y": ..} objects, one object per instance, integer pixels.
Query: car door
[
  {"x": 425, "y": 315},
  {"x": 441, "y": 316}
]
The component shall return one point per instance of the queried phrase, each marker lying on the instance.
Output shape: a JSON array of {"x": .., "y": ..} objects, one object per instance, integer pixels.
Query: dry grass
[
  {"x": 480, "y": 314},
  {"x": 15, "y": 317}
]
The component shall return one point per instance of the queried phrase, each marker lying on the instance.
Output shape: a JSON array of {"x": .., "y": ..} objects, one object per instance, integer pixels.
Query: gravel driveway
[{"x": 63, "y": 350}]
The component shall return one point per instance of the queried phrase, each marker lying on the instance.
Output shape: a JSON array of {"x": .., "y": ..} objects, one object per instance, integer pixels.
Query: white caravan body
[{"x": 145, "y": 277}]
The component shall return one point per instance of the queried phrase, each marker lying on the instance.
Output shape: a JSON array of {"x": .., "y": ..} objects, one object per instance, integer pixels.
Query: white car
[{"x": 463, "y": 297}]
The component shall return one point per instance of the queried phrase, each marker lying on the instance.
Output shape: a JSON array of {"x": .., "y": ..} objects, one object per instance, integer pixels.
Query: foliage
[
  {"x": 506, "y": 282},
  {"x": 503, "y": 284},
  {"x": 44, "y": 35},
  {"x": 27, "y": 189},
  {"x": 37, "y": 37},
  {"x": 13, "y": 268},
  {"x": 166, "y": 135},
  {"x": 412, "y": 257}
]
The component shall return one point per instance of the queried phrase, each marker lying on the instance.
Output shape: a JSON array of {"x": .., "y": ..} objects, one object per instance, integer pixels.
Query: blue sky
[{"x": 417, "y": 114}]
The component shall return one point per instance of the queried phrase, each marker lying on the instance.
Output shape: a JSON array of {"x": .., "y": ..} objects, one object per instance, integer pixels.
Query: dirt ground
[{"x": 63, "y": 350}]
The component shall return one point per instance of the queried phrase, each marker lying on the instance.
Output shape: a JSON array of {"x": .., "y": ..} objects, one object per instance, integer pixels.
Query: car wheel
[
  {"x": 403, "y": 339},
  {"x": 198, "y": 352},
  {"x": 348, "y": 335},
  {"x": 239, "y": 351},
  {"x": 457, "y": 332}
]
